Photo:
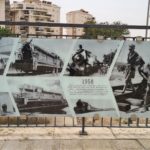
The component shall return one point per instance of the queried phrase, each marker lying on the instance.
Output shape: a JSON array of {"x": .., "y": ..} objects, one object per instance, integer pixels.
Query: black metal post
[
  {"x": 83, "y": 132},
  {"x": 147, "y": 19}
]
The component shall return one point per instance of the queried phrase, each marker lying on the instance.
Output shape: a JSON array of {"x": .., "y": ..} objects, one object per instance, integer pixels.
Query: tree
[
  {"x": 5, "y": 32},
  {"x": 92, "y": 33}
]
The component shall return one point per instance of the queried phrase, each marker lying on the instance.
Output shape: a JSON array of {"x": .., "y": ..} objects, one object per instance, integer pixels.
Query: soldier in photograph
[
  {"x": 131, "y": 67},
  {"x": 130, "y": 74}
]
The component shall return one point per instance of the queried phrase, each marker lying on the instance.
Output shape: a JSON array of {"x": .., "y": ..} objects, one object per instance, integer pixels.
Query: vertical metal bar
[
  {"x": 45, "y": 122},
  {"x": 36, "y": 122},
  {"x": 64, "y": 122},
  {"x": 120, "y": 121},
  {"x": 83, "y": 132},
  {"x": 93, "y": 122},
  {"x": 73, "y": 121},
  {"x": 27, "y": 121},
  {"x": 147, "y": 19},
  {"x": 102, "y": 121},
  {"x": 146, "y": 122},
  {"x": 55, "y": 122},
  {"x": 137, "y": 122},
  {"x": 8, "y": 121},
  {"x": 111, "y": 122},
  {"x": 18, "y": 121},
  {"x": 129, "y": 121}
]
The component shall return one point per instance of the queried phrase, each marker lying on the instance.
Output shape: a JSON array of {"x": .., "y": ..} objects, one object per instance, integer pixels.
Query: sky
[{"x": 131, "y": 12}]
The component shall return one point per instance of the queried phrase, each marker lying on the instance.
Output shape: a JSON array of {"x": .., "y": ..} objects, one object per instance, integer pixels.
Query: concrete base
[{"x": 83, "y": 133}]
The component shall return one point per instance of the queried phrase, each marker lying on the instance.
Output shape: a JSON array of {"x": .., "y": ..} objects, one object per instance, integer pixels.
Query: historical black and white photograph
[
  {"x": 130, "y": 78},
  {"x": 6, "y": 46},
  {"x": 39, "y": 57},
  {"x": 91, "y": 57},
  {"x": 90, "y": 95},
  {"x": 7, "y": 108},
  {"x": 90, "y": 107},
  {"x": 38, "y": 96}
]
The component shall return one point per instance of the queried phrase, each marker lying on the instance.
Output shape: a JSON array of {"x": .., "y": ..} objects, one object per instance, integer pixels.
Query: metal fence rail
[
  {"x": 26, "y": 121},
  {"x": 22, "y": 23}
]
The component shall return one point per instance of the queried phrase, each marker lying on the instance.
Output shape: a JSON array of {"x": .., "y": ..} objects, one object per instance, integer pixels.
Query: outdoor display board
[{"x": 74, "y": 77}]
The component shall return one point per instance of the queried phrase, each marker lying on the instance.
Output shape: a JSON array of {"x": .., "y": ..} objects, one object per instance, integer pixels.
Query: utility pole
[{"x": 147, "y": 20}]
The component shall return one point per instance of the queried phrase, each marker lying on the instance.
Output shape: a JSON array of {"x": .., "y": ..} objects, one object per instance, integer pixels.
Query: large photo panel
[
  {"x": 38, "y": 96},
  {"x": 89, "y": 96},
  {"x": 130, "y": 79},
  {"x": 39, "y": 57},
  {"x": 6, "y": 47},
  {"x": 92, "y": 57},
  {"x": 7, "y": 105}
]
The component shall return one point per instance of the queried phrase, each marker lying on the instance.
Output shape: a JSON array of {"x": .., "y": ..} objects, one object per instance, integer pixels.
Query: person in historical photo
[
  {"x": 6, "y": 106},
  {"x": 90, "y": 61},
  {"x": 34, "y": 96},
  {"x": 36, "y": 57},
  {"x": 130, "y": 78}
]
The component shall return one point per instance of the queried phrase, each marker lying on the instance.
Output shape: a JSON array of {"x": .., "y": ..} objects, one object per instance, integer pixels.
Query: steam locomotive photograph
[
  {"x": 91, "y": 58},
  {"x": 6, "y": 45},
  {"x": 34, "y": 96},
  {"x": 130, "y": 79},
  {"x": 38, "y": 57}
]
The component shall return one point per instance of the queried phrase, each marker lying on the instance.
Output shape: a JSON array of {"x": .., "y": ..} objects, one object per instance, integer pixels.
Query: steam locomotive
[{"x": 32, "y": 58}]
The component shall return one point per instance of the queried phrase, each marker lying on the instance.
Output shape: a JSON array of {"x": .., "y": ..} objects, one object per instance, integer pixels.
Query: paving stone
[
  {"x": 145, "y": 143},
  {"x": 15, "y": 145},
  {"x": 127, "y": 145}
]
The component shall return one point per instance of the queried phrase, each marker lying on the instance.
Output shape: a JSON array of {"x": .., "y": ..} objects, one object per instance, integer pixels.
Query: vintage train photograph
[
  {"x": 90, "y": 107},
  {"x": 38, "y": 96},
  {"x": 91, "y": 57},
  {"x": 130, "y": 79},
  {"x": 6, "y": 46},
  {"x": 38, "y": 57}
]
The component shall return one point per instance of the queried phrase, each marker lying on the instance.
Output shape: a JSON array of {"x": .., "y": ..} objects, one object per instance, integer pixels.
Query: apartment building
[
  {"x": 78, "y": 17},
  {"x": 4, "y": 10},
  {"x": 35, "y": 11}
]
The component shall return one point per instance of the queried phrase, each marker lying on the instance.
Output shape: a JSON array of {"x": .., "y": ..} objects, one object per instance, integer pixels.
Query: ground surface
[{"x": 69, "y": 139}]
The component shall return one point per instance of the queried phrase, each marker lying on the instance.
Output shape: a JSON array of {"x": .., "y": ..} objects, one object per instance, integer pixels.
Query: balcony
[
  {"x": 23, "y": 19},
  {"x": 49, "y": 30},
  {"x": 29, "y": 7},
  {"x": 39, "y": 30},
  {"x": 23, "y": 28},
  {"x": 26, "y": 12},
  {"x": 48, "y": 15}
]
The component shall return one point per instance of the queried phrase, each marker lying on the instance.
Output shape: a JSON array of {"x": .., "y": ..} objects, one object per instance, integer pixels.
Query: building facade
[
  {"x": 35, "y": 11},
  {"x": 4, "y": 11},
  {"x": 78, "y": 17}
]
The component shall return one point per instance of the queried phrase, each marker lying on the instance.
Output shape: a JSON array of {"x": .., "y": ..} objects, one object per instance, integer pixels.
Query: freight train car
[{"x": 32, "y": 58}]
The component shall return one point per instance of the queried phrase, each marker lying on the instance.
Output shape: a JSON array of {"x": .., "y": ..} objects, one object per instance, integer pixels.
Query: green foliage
[
  {"x": 92, "y": 33},
  {"x": 5, "y": 32}
]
